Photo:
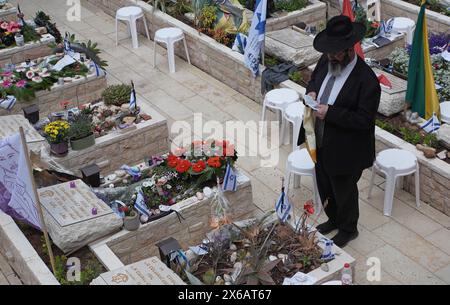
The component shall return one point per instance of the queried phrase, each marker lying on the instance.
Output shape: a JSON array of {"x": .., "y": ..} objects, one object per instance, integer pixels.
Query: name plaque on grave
[
  {"x": 150, "y": 271},
  {"x": 398, "y": 84},
  {"x": 72, "y": 202},
  {"x": 10, "y": 124},
  {"x": 292, "y": 38}
]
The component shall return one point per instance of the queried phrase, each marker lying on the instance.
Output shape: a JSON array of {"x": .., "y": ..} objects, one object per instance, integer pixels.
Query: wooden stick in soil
[{"x": 38, "y": 202}]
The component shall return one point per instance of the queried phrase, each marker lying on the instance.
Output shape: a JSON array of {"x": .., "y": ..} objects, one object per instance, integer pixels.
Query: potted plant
[
  {"x": 131, "y": 220},
  {"x": 57, "y": 134},
  {"x": 117, "y": 94},
  {"x": 81, "y": 133}
]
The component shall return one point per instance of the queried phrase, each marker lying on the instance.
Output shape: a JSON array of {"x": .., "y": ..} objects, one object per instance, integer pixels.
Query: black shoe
[
  {"x": 326, "y": 227},
  {"x": 342, "y": 238}
]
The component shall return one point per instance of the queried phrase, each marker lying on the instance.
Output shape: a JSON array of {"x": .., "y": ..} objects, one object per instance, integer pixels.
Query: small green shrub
[
  {"x": 81, "y": 127},
  {"x": 295, "y": 76},
  {"x": 208, "y": 17},
  {"x": 290, "y": 5},
  {"x": 92, "y": 270},
  {"x": 385, "y": 125},
  {"x": 117, "y": 94},
  {"x": 431, "y": 140},
  {"x": 410, "y": 136},
  {"x": 270, "y": 61}
]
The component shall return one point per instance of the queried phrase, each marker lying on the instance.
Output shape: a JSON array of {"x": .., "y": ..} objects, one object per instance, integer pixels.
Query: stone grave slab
[
  {"x": 150, "y": 271},
  {"x": 10, "y": 125},
  {"x": 292, "y": 46},
  {"x": 392, "y": 100},
  {"x": 69, "y": 215}
]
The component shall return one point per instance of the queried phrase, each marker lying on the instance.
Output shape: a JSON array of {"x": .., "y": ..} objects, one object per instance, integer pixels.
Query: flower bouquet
[
  {"x": 9, "y": 29},
  {"x": 57, "y": 135}
]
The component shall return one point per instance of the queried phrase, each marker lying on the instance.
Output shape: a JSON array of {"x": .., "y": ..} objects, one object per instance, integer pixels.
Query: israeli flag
[
  {"x": 432, "y": 124},
  {"x": 386, "y": 27},
  {"x": 239, "y": 43},
  {"x": 230, "y": 179},
  {"x": 283, "y": 206},
  {"x": 8, "y": 102},
  {"x": 98, "y": 71},
  {"x": 133, "y": 97},
  {"x": 140, "y": 205},
  {"x": 256, "y": 35},
  {"x": 67, "y": 47}
]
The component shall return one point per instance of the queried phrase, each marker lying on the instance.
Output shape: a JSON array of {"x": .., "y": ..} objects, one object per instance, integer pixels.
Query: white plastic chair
[
  {"x": 299, "y": 163},
  {"x": 169, "y": 36},
  {"x": 445, "y": 112},
  {"x": 131, "y": 14},
  {"x": 279, "y": 99},
  {"x": 294, "y": 114},
  {"x": 395, "y": 163}
]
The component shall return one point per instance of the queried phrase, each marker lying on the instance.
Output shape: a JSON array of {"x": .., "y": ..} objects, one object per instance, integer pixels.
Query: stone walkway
[{"x": 413, "y": 245}]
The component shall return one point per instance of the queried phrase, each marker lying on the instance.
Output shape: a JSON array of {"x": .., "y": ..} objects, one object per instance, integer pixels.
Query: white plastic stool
[
  {"x": 294, "y": 114},
  {"x": 279, "y": 99},
  {"x": 131, "y": 14},
  {"x": 445, "y": 112},
  {"x": 395, "y": 163},
  {"x": 299, "y": 163},
  {"x": 404, "y": 25},
  {"x": 169, "y": 36}
]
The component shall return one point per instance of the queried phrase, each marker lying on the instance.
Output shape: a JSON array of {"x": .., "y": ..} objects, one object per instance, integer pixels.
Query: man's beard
[{"x": 336, "y": 67}]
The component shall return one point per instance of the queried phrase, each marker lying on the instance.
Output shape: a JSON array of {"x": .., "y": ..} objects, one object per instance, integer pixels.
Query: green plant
[
  {"x": 208, "y": 17},
  {"x": 179, "y": 8},
  {"x": 295, "y": 76},
  {"x": 81, "y": 127},
  {"x": 290, "y": 5},
  {"x": 270, "y": 61},
  {"x": 431, "y": 140},
  {"x": 385, "y": 125},
  {"x": 29, "y": 34},
  {"x": 410, "y": 136},
  {"x": 117, "y": 94}
]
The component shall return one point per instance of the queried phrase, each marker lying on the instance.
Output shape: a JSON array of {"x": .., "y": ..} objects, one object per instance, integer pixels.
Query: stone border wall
[
  {"x": 314, "y": 14},
  {"x": 84, "y": 91},
  {"x": 113, "y": 150},
  {"x": 205, "y": 53},
  {"x": 134, "y": 246},
  {"x": 9, "y": 14},
  {"x": 21, "y": 255},
  {"x": 31, "y": 50}
]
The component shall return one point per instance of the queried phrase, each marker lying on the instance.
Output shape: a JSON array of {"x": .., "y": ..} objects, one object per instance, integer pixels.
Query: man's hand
[{"x": 321, "y": 111}]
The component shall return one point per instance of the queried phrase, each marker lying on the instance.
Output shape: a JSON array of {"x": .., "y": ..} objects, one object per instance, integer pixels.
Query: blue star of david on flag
[
  {"x": 230, "y": 179},
  {"x": 256, "y": 35}
]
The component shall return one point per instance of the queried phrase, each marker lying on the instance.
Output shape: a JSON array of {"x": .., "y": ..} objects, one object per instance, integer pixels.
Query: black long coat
[{"x": 349, "y": 132}]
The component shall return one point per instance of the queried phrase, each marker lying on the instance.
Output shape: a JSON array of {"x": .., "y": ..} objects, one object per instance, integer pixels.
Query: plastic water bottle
[{"x": 346, "y": 276}]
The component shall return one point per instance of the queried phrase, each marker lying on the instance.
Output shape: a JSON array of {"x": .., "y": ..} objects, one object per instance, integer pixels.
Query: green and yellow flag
[{"x": 421, "y": 92}]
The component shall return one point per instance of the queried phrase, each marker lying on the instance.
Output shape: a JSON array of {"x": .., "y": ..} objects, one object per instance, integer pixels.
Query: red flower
[
  {"x": 214, "y": 162},
  {"x": 309, "y": 207},
  {"x": 183, "y": 166},
  {"x": 172, "y": 161},
  {"x": 199, "y": 166},
  {"x": 375, "y": 25},
  {"x": 123, "y": 209}
]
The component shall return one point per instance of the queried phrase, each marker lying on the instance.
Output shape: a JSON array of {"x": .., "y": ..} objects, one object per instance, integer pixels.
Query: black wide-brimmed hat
[{"x": 341, "y": 33}]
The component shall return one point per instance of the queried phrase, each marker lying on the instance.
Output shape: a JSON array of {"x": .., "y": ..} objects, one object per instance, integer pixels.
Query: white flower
[
  {"x": 30, "y": 74},
  {"x": 37, "y": 79},
  {"x": 168, "y": 186}
]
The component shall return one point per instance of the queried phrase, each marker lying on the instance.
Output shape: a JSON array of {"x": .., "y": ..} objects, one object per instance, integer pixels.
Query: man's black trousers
[{"x": 342, "y": 194}]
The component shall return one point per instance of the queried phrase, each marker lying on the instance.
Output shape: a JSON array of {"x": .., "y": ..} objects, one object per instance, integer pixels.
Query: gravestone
[
  {"x": 75, "y": 216},
  {"x": 392, "y": 100},
  {"x": 292, "y": 46},
  {"x": 10, "y": 124},
  {"x": 150, "y": 271}
]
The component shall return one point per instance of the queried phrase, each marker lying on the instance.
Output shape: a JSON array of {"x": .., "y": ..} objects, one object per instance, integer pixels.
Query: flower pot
[
  {"x": 19, "y": 40},
  {"x": 83, "y": 143},
  {"x": 132, "y": 222},
  {"x": 59, "y": 149}
]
